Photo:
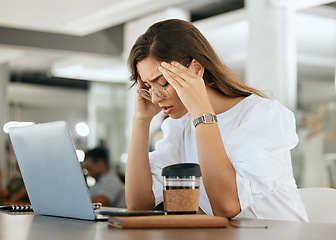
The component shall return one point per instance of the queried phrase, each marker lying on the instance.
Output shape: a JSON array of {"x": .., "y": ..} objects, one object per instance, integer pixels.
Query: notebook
[
  {"x": 169, "y": 221},
  {"x": 51, "y": 171}
]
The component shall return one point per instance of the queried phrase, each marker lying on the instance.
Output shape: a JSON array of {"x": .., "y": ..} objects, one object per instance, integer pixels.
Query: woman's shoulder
[
  {"x": 257, "y": 108},
  {"x": 256, "y": 104},
  {"x": 255, "y": 100}
]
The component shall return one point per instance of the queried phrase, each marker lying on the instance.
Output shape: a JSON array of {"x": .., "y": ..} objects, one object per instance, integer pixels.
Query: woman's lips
[{"x": 167, "y": 110}]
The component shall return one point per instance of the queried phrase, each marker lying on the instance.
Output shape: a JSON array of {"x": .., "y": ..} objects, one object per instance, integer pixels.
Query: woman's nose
[{"x": 156, "y": 97}]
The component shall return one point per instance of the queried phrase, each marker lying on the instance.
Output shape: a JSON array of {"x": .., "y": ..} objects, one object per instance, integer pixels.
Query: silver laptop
[{"x": 51, "y": 171}]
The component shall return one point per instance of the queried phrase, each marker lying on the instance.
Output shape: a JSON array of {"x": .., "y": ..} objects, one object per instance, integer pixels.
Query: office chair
[{"x": 320, "y": 204}]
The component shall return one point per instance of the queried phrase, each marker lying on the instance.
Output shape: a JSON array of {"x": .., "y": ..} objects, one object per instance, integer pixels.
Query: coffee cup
[{"x": 181, "y": 188}]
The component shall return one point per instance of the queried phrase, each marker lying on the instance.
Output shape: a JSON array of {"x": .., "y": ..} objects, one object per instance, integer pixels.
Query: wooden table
[{"x": 29, "y": 226}]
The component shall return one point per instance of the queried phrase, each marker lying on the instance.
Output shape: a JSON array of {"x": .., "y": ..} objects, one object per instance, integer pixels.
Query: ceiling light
[
  {"x": 80, "y": 155},
  {"x": 82, "y": 129},
  {"x": 11, "y": 124},
  {"x": 117, "y": 13},
  {"x": 109, "y": 70}
]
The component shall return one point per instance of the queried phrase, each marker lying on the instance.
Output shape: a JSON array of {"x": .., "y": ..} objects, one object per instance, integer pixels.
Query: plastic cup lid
[{"x": 182, "y": 170}]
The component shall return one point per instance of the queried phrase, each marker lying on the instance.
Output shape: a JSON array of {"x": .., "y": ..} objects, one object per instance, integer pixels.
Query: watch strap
[{"x": 205, "y": 118}]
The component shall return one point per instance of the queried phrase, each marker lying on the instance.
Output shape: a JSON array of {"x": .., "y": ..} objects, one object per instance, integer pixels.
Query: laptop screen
[{"x": 51, "y": 171}]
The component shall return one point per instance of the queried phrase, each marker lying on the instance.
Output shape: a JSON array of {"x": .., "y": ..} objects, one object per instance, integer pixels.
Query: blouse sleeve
[
  {"x": 167, "y": 151},
  {"x": 259, "y": 149}
]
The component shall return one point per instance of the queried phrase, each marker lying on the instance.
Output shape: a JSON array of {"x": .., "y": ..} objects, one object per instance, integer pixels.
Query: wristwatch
[{"x": 205, "y": 118}]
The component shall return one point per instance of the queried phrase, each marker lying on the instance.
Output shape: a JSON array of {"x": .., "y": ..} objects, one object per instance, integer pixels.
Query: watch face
[{"x": 208, "y": 118}]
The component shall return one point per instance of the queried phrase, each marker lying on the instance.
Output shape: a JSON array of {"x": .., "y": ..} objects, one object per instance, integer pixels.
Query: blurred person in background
[
  {"x": 108, "y": 190},
  {"x": 15, "y": 193}
]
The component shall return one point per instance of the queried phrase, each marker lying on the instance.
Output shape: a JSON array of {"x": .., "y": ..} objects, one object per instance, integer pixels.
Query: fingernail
[
  {"x": 160, "y": 68},
  {"x": 163, "y": 63}
]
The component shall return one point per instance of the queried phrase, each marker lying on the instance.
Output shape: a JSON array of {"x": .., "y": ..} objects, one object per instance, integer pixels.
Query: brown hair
[{"x": 179, "y": 40}]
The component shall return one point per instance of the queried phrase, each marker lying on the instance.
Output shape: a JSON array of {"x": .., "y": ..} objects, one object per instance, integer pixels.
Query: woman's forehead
[{"x": 148, "y": 70}]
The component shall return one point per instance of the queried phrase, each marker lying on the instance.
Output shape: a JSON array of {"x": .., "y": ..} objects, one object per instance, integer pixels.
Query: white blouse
[{"x": 258, "y": 135}]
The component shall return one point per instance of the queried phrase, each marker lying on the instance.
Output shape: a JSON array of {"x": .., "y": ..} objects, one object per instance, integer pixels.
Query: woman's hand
[
  {"x": 144, "y": 109},
  {"x": 189, "y": 85}
]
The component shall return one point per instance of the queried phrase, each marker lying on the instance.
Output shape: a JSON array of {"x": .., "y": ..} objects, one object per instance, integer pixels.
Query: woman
[{"x": 242, "y": 142}]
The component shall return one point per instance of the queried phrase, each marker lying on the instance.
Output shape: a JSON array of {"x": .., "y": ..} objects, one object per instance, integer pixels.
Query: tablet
[{"x": 126, "y": 212}]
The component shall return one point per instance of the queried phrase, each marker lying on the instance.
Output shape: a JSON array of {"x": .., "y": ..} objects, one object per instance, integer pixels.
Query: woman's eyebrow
[
  {"x": 153, "y": 80},
  {"x": 156, "y": 78}
]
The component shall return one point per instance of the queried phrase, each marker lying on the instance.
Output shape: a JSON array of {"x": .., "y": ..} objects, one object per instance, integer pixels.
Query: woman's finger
[
  {"x": 179, "y": 69},
  {"x": 176, "y": 83},
  {"x": 174, "y": 76}
]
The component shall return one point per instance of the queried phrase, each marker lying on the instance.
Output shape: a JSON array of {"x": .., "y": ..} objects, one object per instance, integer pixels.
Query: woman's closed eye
[
  {"x": 148, "y": 86},
  {"x": 164, "y": 85}
]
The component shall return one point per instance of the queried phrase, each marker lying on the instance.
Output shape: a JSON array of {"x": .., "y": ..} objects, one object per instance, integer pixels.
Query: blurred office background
[{"x": 66, "y": 60}]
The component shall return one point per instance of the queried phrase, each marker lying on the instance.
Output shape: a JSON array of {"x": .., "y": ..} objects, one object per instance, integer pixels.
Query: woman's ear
[{"x": 197, "y": 67}]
